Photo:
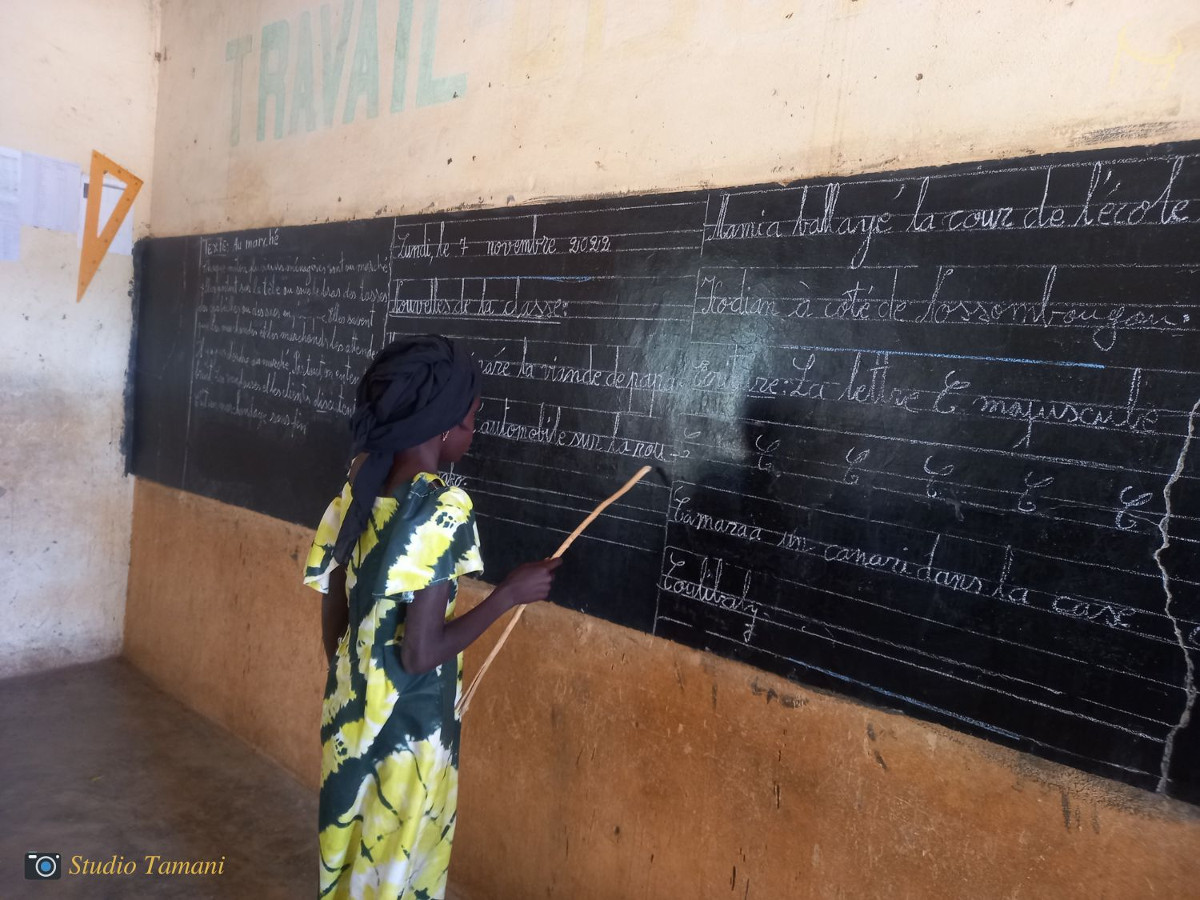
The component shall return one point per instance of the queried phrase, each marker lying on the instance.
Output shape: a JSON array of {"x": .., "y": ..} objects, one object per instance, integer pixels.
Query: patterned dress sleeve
[
  {"x": 441, "y": 544},
  {"x": 320, "y": 563}
]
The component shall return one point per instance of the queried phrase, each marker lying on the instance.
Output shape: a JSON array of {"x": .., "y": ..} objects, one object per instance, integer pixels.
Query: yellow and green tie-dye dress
[{"x": 389, "y": 769}]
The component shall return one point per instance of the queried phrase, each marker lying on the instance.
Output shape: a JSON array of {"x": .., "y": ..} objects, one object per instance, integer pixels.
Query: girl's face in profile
[{"x": 458, "y": 439}]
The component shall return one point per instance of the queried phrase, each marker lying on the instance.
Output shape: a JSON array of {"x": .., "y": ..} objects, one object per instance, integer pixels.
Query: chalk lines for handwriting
[
  {"x": 874, "y": 390},
  {"x": 526, "y": 319},
  {"x": 890, "y": 266},
  {"x": 581, "y": 215},
  {"x": 880, "y": 478},
  {"x": 490, "y": 489},
  {"x": 549, "y": 431},
  {"x": 1077, "y": 606},
  {"x": 946, "y": 445},
  {"x": 543, "y": 213},
  {"x": 892, "y": 566},
  {"x": 474, "y": 317},
  {"x": 975, "y": 683},
  {"x": 775, "y": 621},
  {"x": 1072, "y": 413},
  {"x": 534, "y": 340},
  {"x": 915, "y": 703},
  {"x": 1123, "y": 317},
  {"x": 1006, "y": 306},
  {"x": 571, "y": 245},
  {"x": 879, "y": 225},
  {"x": 563, "y": 279},
  {"x": 255, "y": 266},
  {"x": 580, "y": 242},
  {"x": 588, "y": 501},
  {"x": 918, "y": 217},
  {"x": 562, "y": 469},
  {"x": 720, "y": 453},
  {"x": 499, "y": 249},
  {"x": 800, "y": 586},
  {"x": 529, "y": 320},
  {"x": 622, "y": 412},
  {"x": 930, "y": 707},
  {"x": 620, "y": 304},
  {"x": 586, "y": 536},
  {"x": 590, "y": 376},
  {"x": 929, "y": 355}
]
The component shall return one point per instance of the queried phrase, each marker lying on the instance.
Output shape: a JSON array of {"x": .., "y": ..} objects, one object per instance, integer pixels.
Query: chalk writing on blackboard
[{"x": 928, "y": 437}]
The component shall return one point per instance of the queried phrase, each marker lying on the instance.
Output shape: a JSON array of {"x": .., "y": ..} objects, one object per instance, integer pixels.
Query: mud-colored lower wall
[{"x": 602, "y": 763}]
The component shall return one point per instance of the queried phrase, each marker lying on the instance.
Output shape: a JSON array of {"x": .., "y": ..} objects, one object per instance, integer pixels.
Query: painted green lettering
[
  {"x": 272, "y": 67},
  {"x": 235, "y": 52},
  {"x": 302, "y": 84},
  {"x": 364, "y": 70},
  {"x": 333, "y": 58},
  {"x": 430, "y": 89},
  {"x": 400, "y": 67}
]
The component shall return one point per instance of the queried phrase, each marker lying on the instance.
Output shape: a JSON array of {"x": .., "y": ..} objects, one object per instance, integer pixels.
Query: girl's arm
[
  {"x": 335, "y": 612},
  {"x": 429, "y": 640}
]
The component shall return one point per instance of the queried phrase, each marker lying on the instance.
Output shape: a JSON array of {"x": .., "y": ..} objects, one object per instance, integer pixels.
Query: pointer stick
[{"x": 512, "y": 623}]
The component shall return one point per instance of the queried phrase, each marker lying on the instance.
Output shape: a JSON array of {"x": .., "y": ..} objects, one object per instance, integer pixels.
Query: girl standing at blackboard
[{"x": 387, "y": 556}]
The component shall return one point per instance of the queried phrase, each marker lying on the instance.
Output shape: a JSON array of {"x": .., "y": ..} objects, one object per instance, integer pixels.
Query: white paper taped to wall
[
  {"x": 10, "y": 204},
  {"x": 10, "y": 231},
  {"x": 10, "y": 175},
  {"x": 50, "y": 191}
]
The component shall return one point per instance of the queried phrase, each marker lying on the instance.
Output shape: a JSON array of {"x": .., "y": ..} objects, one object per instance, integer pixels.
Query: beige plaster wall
[
  {"x": 76, "y": 76},
  {"x": 623, "y": 766},
  {"x": 606, "y": 96}
]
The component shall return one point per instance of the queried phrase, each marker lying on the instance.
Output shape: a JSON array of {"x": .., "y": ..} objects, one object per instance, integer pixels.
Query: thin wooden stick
[{"x": 465, "y": 701}]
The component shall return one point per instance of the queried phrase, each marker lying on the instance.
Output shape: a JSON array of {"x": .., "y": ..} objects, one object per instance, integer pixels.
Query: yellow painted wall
[
  {"x": 563, "y": 99},
  {"x": 598, "y": 762},
  {"x": 74, "y": 76}
]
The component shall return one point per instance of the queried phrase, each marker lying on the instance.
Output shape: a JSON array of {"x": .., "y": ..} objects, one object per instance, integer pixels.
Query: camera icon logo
[{"x": 43, "y": 865}]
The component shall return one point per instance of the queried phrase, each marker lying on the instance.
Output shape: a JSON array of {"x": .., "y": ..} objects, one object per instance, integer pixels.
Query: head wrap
[{"x": 415, "y": 388}]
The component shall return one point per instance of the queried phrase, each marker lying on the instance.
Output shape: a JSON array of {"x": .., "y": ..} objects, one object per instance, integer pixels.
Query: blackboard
[{"x": 928, "y": 436}]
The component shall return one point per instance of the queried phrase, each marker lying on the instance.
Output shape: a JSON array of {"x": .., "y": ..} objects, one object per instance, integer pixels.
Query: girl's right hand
[{"x": 529, "y": 582}]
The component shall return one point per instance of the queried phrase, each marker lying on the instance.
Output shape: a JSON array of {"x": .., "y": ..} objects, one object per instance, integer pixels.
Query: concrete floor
[{"x": 96, "y": 761}]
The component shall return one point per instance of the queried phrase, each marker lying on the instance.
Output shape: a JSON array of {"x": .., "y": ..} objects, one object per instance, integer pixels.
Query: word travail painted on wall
[{"x": 310, "y": 76}]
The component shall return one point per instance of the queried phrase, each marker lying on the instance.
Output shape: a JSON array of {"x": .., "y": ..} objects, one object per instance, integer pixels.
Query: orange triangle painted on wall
[{"x": 95, "y": 241}]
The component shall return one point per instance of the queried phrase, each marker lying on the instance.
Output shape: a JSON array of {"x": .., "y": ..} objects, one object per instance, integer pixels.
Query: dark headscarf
[{"x": 415, "y": 388}]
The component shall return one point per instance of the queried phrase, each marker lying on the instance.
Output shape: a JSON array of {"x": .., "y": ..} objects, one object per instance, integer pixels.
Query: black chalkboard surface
[{"x": 930, "y": 436}]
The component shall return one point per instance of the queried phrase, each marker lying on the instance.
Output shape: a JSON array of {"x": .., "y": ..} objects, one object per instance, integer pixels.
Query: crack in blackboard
[{"x": 1189, "y": 677}]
